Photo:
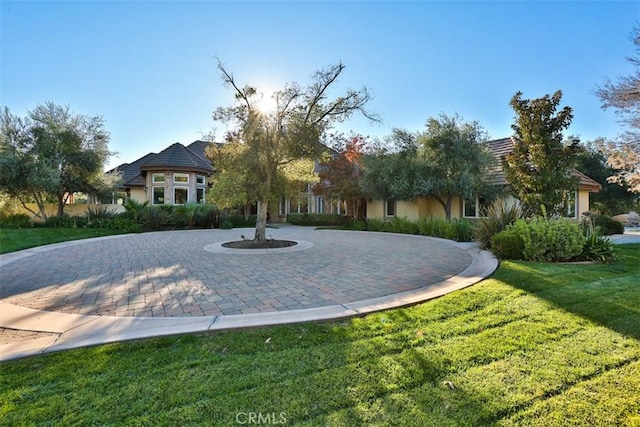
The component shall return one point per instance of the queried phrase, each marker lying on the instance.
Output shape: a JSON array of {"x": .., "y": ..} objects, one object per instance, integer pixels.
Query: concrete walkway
[{"x": 128, "y": 287}]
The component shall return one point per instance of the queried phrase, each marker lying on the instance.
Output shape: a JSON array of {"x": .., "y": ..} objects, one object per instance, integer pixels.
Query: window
[
  {"x": 200, "y": 179},
  {"x": 158, "y": 177},
  {"x": 390, "y": 208},
  {"x": 158, "y": 195},
  {"x": 180, "y": 195},
  {"x": 319, "y": 204},
  {"x": 303, "y": 205},
  {"x": 181, "y": 178},
  {"x": 570, "y": 205},
  {"x": 474, "y": 208},
  {"x": 200, "y": 195}
]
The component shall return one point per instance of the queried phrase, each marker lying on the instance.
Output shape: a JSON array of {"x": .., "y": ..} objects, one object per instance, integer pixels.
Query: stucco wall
[
  {"x": 420, "y": 208},
  {"x": 71, "y": 210},
  {"x": 139, "y": 195},
  {"x": 375, "y": 209},
  {"x": 583, "y": 202},
  {"x": 430, "y": 207}
]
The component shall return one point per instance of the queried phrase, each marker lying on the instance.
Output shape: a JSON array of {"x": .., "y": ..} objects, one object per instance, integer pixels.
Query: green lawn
[
  {"x": 12, "y": 240},
  {"x": 536, "y": 344}
]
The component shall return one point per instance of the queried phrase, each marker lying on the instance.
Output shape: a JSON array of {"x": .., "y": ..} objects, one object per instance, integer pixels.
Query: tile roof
[
  {"x": 503, "y": 146},
  {"x": 198, "y": 147},
  {"x": 174, "y": 157},
  {"x": 177, "y": 157}
]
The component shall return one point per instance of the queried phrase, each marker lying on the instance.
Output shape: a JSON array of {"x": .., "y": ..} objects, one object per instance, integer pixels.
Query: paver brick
[{"x": 170, "y": 274}]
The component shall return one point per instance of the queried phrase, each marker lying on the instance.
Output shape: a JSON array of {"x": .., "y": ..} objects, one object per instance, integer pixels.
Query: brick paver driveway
[{"x": 170, "y": 274}]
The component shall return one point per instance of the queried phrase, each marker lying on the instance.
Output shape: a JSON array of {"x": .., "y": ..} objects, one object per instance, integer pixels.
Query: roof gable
[{"x": 503, "y": 146}]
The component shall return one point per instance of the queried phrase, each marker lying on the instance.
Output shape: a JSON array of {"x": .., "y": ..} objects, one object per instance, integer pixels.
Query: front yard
[{"x": 536, "y": 344}]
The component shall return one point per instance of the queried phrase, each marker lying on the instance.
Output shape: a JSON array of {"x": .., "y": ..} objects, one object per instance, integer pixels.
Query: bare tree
[{"x": 623, "y": 95}]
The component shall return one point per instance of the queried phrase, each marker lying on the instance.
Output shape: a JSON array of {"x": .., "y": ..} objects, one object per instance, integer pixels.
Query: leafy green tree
[
  {"x": 613, "y": 198},
  {"x": 446, "y": 160},
  {"x": 623, "y": 154},
  {"x": 456, "y": 161},
  {"x": 274, "y": 149},
  {"x": 539, "y": 169},
  {"x": 50, "y": 154}
]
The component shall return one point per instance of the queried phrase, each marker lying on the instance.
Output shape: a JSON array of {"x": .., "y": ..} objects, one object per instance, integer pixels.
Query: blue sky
[{"x": 149, "y": 68}]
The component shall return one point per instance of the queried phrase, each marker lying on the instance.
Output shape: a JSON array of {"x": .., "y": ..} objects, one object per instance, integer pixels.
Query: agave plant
[{"x": 495, "y": 219}]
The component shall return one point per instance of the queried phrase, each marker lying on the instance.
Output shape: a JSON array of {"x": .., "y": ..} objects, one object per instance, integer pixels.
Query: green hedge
[
  {"x": 15, "y": 221},
  {"x": 608, "y": 225},
  {"x": 239, "y": 221},
  {"x": 319, "y": 219},
  {"x": 455, "y": 229},
  {"x": 143, "y": 218}
]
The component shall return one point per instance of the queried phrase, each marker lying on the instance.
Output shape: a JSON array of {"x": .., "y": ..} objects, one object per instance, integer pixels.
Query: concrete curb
[{"x": 76, "y": 331}]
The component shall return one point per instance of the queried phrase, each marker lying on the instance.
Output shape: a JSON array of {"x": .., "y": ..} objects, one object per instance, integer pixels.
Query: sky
[{"x": 149, "y": 68}]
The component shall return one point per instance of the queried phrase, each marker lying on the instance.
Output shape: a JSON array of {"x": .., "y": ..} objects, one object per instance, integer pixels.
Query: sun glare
[{"x": 266, "y": 102}]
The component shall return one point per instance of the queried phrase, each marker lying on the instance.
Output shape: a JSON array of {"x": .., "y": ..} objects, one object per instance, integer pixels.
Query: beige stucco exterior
[
  {"x": 429, "y": 207},
  {"x": 583, "y": 202}
]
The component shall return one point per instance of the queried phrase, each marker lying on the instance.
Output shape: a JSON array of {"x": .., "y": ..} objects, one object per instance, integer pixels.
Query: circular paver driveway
[{"x": 170, "y": 274}]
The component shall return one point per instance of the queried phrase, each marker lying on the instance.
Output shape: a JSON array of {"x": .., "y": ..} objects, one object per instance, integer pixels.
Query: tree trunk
[
  {"x": 445, "y": 205},
  {"x": 261, "y": 223},
  {"x": 41, "y": 208},
  {"x": 61, "y": 201}
]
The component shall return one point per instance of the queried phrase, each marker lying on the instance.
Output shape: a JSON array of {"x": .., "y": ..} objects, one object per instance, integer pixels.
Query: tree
[
  {"x": 624, "y": 96},
  {"x": 339, "y": 177},
  {"x": 540, "y": 167},
  {"x": 50, "y": 154},
  {"x": 457, "y": 163},
  {"x": 613, "y": 198},
  {"x": 445, "y": 161},
  {"x": 274, "y": 149}
]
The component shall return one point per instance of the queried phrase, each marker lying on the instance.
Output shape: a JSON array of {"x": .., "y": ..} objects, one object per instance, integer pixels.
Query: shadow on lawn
[{"x": 608, "y": 294}]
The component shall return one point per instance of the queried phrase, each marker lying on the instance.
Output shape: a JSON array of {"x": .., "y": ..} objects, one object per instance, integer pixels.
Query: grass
[
  {"x": 12, "y": 240},
  {"x": 534, "y": 345}
]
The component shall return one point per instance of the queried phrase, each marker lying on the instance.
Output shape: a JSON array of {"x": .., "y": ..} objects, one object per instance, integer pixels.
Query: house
[
  {"x": 428, "y": 206},
  {"x": 176, "y": 175}
]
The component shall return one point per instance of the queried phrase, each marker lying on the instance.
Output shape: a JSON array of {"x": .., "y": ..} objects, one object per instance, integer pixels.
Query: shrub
[
  {"x": 183, "y": 215},
  {"x": 239, "y": 221},
  {"x": 458, "y": 230},
  {"x": 357, "y": 224},
  {"x": 119, "y": 223},
  {"x": 404, "y": 226},
  {"x": 206, "y": 216},
  {"x": 455, "y": 229},
  {"x": 134, "y": 208},
  {"x": 496, "y": 218},
  {"x": 596, "y": 247},
  {"x": 66, "y": 221},
  {"x": 98, "y": 213},
  {"x": 156, "y": 217},
  {"x": 226, "y": 224},
  {"x": 15, "y": 221},
  {"x": 508, "y": 244},
  {"x": 550, "y": 239},
  {"x": 608, "y": 225},
  {"x": 318, "y": 219}
]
